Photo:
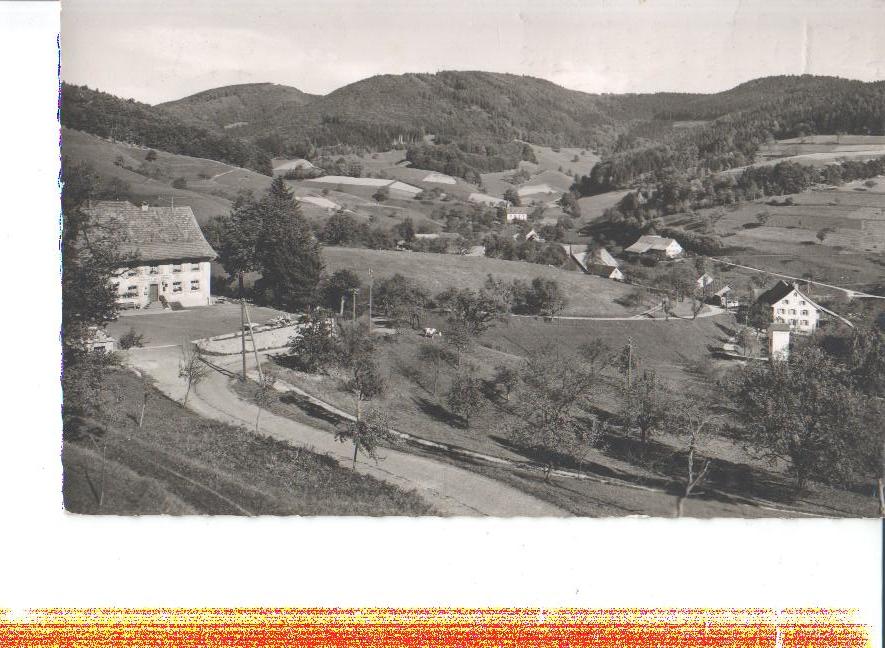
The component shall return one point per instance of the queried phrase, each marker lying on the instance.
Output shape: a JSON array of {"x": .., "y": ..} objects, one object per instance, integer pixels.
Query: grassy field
[
  {"x": 179, "y": 463},
  {"x": 587, "y": 295},
  {"x": 851, "y": 255}
]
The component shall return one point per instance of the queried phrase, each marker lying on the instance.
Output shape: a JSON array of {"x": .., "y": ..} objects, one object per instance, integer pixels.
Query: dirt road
[{"x": 451, "y": 490}]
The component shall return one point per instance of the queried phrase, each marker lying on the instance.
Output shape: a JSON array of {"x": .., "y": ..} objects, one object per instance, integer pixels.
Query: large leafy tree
[
  {"x": 89, "y": 262},
  {"x": 476, "y": 311},
  {"x": 272, "y": 237},
  {"x": 400, "y": 298},
  {"x": 552, "y": 401},
  {"x": 805, "y": 411}
]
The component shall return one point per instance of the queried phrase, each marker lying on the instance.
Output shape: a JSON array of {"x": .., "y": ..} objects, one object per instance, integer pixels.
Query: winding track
[{"x": 449, "y": 489}]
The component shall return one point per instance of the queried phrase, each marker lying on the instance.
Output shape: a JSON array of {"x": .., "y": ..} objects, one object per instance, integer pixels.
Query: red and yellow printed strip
[{"x": 623, "y": 628}]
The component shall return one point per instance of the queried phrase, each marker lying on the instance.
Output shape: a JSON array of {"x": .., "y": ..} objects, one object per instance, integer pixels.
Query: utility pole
[
  {"x": 629, "y": 362},
  {"x": 354, "y": 292},
  {"x": 371, "y": 281},
  {"x": 242, "y": 323}
]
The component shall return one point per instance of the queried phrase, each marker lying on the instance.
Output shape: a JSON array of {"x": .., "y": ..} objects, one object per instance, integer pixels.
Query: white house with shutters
[
  {"x": 789, "y": 306},
  {"x": 165, "y": 252}
]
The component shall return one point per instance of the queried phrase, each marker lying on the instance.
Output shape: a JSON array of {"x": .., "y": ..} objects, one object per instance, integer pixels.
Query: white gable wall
[
  {"x": 797, "y": 311},
  {"x": 187, "y": 282}
]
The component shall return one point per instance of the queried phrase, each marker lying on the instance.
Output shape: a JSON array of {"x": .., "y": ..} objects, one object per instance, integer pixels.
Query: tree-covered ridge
[
  {"x": 768, "y": 109},
  {"x": 244, "y": 104},
  {"x": 124, "y": 120}
]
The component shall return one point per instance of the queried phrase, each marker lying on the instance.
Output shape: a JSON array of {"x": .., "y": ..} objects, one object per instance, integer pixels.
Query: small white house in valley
[
  {"x": 517, "y": 214},
  {"x": 165, "y": 252},
  {"x": 791, "y": 307},
  {"x": 653, "y": 245}
]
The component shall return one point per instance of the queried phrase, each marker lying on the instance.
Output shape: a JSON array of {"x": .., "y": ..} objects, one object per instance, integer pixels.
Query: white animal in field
[{"x": 430, "y": 332}]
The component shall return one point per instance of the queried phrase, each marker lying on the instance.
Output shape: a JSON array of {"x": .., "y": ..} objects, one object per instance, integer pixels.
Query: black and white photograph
[{"x": 507, "y": 259}]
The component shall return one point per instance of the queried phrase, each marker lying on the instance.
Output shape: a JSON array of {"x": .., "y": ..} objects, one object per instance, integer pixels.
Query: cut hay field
[
  {"x": 587, "y": 295},
  {"x": 550, "y": 160},
  {"x": 817, "y": 151},
  {"x": 592, "y": 207},
  {"x": 851, "y": 255}
]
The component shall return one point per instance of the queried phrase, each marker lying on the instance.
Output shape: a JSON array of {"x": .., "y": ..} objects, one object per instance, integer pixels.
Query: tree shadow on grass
[
  {"x": 738, "y": 478},
  {"x": 437, "y": 412},
  {"x": 311, "y": 409}
]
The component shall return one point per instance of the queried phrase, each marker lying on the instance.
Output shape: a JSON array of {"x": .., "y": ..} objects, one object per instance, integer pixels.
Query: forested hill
[
  {"x": 478, "y": 118},
  {"x": 451, "y": 105},
  {"x": 756, "y": 112},
  {"x": 237, "y": 105},
  {"x": 105, "y": 115}
]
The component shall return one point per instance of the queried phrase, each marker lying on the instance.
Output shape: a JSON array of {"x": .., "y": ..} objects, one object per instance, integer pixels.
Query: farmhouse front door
[{"x": 153, "y": 293}]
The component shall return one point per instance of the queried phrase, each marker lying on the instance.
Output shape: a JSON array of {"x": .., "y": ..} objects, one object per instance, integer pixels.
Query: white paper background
[{"x": 49, "y": 558}]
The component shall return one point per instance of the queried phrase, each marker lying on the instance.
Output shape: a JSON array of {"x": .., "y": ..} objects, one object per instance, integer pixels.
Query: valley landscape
[{"x": 441, "y": 277}]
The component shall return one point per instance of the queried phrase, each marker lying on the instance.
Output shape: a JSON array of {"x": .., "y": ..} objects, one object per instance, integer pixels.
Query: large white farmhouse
[
  {"x": 165, "y": 251},
  {"x": 653, "y": 245},
  {"x": 791, "y": 307}
]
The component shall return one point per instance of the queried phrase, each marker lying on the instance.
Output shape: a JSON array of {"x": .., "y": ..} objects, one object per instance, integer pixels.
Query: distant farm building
[
  {"x": 281, "y": 167},
  {"x": 605, "y": 271},
  {"x": 517, "y": 214},
  {"x": 791, "y": 307},
  {"x": 167, "y": 258},
  {"x": 440, "y": 178},
  {"x": 704, "y": 282},
  {"x": 722, "y": 297},
  {"x": 485, "y": 199},
  {"x": 657, "y": 246},
  {"x": 475, "y": 251},
  {"x": 598, "y": 262},
  {"x": 532, "y": 235}
]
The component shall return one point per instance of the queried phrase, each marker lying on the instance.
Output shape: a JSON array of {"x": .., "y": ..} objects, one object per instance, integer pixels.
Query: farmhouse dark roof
[
  {"x": 600, "y": 269},
  {"x": 777, "y": 292},
  {"x": 152, "y": 233}
]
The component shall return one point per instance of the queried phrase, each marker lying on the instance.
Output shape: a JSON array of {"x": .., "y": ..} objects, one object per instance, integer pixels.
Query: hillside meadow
[{"x": 587, "y": 295}]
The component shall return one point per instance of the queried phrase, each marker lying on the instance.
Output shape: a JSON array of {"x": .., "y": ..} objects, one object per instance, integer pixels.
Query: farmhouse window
[
  {"x": 802, "y": 303},
  {"x": 132, "y": 272},
  {"x": 195, "y": 266},
  {"x": 195, "y": 284},
  {"x": 805, "y": 312},
  {"x": 792, "y": 311},
  {"x": 787, "y": 302},
  {"x": 176, "y": 268},
  {"x": 793, "y": 322},
  {"x": 804, "y": 322},
  {"x": 154, "y": 270},
  {"x": 781, "y": 311},
  {"x": 176, "y": 286}
]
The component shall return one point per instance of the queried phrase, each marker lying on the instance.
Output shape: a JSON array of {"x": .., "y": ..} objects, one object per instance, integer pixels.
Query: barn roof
[
  {"x": 777, "y": 292},
  {"x": 648, "y": 242},
  {"x": 152, "y": 233},
  {"x": 601, "y": 270}
]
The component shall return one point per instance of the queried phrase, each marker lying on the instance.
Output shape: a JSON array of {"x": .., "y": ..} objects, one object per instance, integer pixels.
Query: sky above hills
[{"x": 158, "y": 50}]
